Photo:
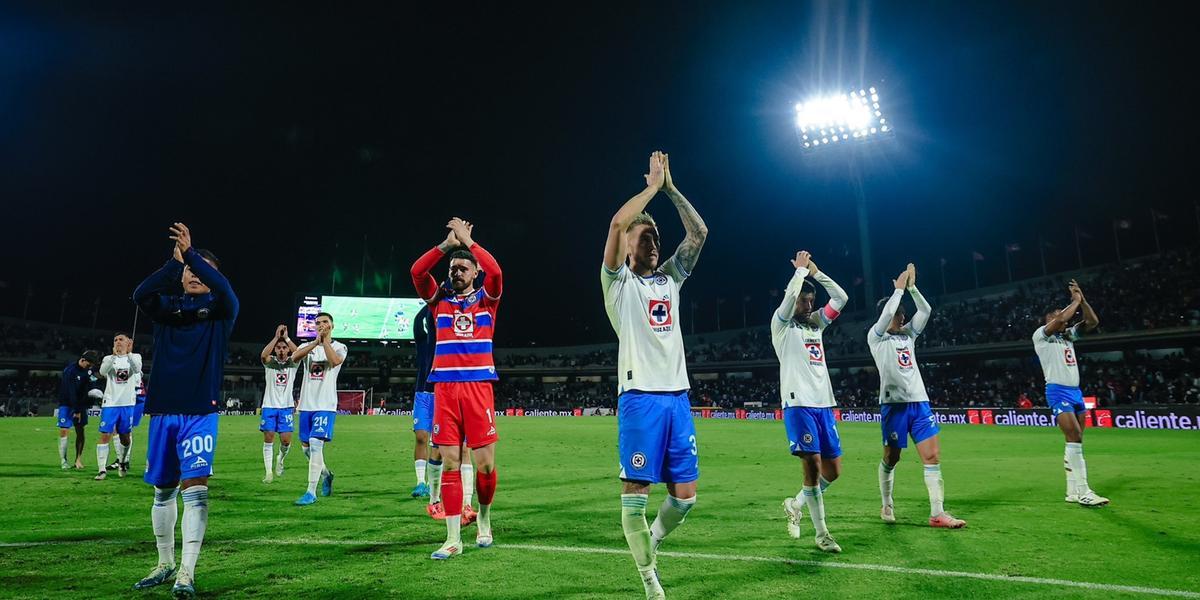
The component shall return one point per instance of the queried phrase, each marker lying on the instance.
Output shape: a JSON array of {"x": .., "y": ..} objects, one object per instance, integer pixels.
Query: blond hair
[{"x": 643, "y": 218}]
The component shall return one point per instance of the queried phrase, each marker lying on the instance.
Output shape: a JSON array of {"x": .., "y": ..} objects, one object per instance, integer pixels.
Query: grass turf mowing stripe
[{"x": 1087, "y": 585}]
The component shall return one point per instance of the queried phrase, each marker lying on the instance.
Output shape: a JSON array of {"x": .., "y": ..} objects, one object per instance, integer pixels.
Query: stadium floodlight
[{"x": 828, "y": 120}]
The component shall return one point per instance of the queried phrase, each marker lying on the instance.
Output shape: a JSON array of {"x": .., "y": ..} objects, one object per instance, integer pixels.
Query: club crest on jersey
[
  {"x": 904, "y": 358},
  {"x": 1069, "y": 356},
  {"x": 316, "y": 371},
  {"x": 660, "y": 279},
  {"x": 464, "y": 323},
  {"x": 659, "y": 313},
  {"x": 281, "y": 378},
  {"x": 816, "y": 356},
  {"x": 122, "y": 375},
  {"x": 638, "y": 460}
]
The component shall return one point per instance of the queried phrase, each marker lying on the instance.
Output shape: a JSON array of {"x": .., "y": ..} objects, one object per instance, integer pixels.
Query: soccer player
[
  {"x": 75, "y": 395},
  {"x": 118, "y": 370},
  {"x": 903, "y": 402},
  {"x": 191, "y": 341},
  {"x": 462, "y": 375},
  {"x": 656, "y": 437},
  {"x": 425, "y": 336},
  {"x": 1054, "y": 343},
  {"x": 278, "y": 405},
  {"x": 322, "y": 361},
  {"x": 807, "y": 393}
]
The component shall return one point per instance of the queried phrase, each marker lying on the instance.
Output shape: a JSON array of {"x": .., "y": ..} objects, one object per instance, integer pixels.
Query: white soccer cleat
[
  {"x": 887, "y": 514},
  {"x": 653, "y": 588},
  {"x": 279, "y": 466},
  {"x": 826, "y": 544},
  {"x": 66, "y": 466},
  {"x": 483, "y": 540},
  {"x": 1090, "y": 498},
  {"x": 101, "y": 476},
  {"x": 269, "y": 478},
  {"x": 795, "y": 515},
  {"x": 447, "y": 551},
  {"x": 1072, "y": 498}
]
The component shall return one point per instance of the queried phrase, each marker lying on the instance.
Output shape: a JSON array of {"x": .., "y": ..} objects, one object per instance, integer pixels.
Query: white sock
[
  {"x": 195, "y": 521},
  {"x": 268, "y": 455},
  {"x": 1078, "y": 467},
  {"x": 284, "y": 448},
  {"x": 120, "y": 450},
  {"x": 637, "y": 533},
  {"x": 814, "y": 500},
  {"x": 435, "y": 481},
  {"x": 886, "y": 477},
  {"x": 670, "y": 515},
  {"x": 62, "y": 448},
  {"x": 125, "y": 450},
  {"x": 454, "y": 529},
  {"x": 937, "y": 494},
  {"x": 825, "y": 483},
  {"x": 316, "y": 463},
  {"x": 163, "y": 514},
  {"x": 468, "y": 482},
  {"x": 483, "y": 522},
  {"x": 419, "y": 464},
  {"x": 102, "y": 457}
]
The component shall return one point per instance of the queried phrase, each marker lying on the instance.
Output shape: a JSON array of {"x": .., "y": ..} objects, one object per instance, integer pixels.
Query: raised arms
[
  {"x": 614, "y": 244},
  {"x": 688, "y": 251}
]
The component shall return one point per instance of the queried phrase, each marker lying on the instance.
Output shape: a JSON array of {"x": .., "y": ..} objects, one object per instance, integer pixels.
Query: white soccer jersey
[
  {"x": 644, "y": 311},
  {"x": 896, "y": 360},
  {"x": 1057, "y": 355},
  {"x": 280, "y": 378},
  {"x": 803, "y": 376},
  {"x": 319, "y": 391},
  {"x": 120, "y": 387}
]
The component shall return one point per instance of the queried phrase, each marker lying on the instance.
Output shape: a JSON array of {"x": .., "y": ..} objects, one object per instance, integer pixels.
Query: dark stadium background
[{"x": 283, "y": 139}]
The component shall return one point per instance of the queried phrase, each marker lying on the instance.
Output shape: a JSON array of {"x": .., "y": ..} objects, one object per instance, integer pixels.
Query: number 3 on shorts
[{"x": 695, "y": 451}]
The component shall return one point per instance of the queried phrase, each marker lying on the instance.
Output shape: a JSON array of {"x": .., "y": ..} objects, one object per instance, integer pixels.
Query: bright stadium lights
[{"x": 841, "y": 117}]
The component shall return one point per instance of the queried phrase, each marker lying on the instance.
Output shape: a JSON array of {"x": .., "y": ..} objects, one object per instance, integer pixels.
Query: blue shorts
[
  {"x": 317, "y": 424},
  {"x": 656, "y": 438},
  {"x": 119, "y": 418},
  {"x": 66, "y": 417},
  {"x": 279, "y": 420},
  {"x": 138, "y": 410},
  {"x": 900, "y": 420},
  {"x": 812, "y": 431},
  {"x": 1061, "y": 399},
  {"x": 423, "y": 411},
  {"x": 180, "y": 447}
]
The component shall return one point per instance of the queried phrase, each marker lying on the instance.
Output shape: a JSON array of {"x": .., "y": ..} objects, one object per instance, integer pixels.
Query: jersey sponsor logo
[
  {"x": 638, "y": 460},
  {"x": 316, "y": 370},
  {"x": 659, "y": 313},
  {"x": 816, "y": 356},
  {"x": 1069, "y": 356},
  {"x": 464, "y": 323},
  {"x": 122, "y": 376},
  {"x": 904, "y": 357}
]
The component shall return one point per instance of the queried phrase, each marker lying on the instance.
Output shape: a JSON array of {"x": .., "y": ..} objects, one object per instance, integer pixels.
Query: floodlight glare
[{"x": 839, "y": 115}]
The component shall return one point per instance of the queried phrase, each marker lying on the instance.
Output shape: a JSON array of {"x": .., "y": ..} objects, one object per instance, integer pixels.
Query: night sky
[{"x": 283, "y": 137}]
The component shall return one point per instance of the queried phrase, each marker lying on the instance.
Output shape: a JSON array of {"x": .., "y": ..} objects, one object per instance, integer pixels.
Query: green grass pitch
[
  {"x": 63, "y": 535},
  {"x": 372, "y": 318}
]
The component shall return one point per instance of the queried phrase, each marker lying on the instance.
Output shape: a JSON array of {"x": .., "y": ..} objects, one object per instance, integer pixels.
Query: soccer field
[
  {"x": 372, "y": 318},
  {"x": 557, "y": 519}
]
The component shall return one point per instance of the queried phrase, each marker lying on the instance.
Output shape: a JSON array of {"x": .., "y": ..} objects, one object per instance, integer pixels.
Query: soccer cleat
[
  {"x": 436, "y": 510},
  {"x": 114, "y": 466},
  {"x": 279, "y": 466},
  {"x": 421, "y": 491},
  {"x": 652, "y": 586},
  {"x": 269, "y": 478},
  {"x": 327, "y": 483},
  {"x": 66, "y": 466},
  {"x": 101, "y": 476},
  {"x": 1072, "y": 498},
  {"x": 123, "y": 470},
  {"x": 183, "y": 588},
  {"x": 468, "y": 515},
  {"x": 826, "y": 544},
  {"x": 306, "y": 499},
  {"x": 887, "y": 514},
  {"x": 1090, "y": 498},
  {"x": 795, "y": 515},
  {"x": 160, "y": 575},
  {"x": 483, "y": 541},
  {"x": 448, "y": 550},
  {"x": 947, "y": 520}
]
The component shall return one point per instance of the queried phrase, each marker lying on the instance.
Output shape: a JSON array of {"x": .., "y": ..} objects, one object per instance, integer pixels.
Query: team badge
[
  {"x": 122, "y": 375},
  {"x": 202, "y": 313},
  {"x": 317, "y": 371},
  {"x": 638, "y": 460},
  {"x": 893, "y": 436},
  {"x": 808, "y": 438},
  {"x": 464, "y": 323},
  {"x": 816, "y": 356},
  {"x": 1069, "y": 356},
  {"x": 281, "y": 378},
  {"x": 436, "y": 428},
  {"x": 472, "y": 298},
  {"x": 659, "y": 312},
  {"x": 904, "y": 357},
  {"x": 660, "y": 279}
]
